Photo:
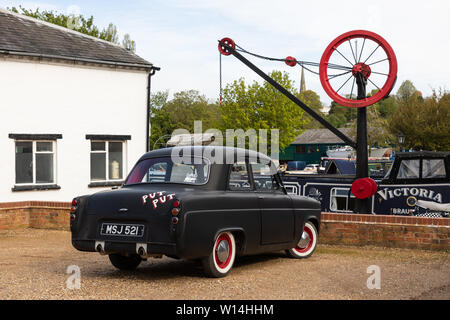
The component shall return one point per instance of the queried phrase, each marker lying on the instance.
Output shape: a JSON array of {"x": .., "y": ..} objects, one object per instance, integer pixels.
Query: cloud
[
  {"x": 417, "y": 30},
  {"x": 181, "y": 36}
]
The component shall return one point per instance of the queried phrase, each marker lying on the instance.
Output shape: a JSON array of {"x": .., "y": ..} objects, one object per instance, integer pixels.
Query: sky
[{"x": 181, "y": 37}]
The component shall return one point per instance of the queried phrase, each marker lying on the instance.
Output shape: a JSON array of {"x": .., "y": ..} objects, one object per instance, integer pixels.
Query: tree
[
  {"x": 340, "y": 116},
  {"x": 406, "y": 91},
  {"x": 337, "y": 120},
  {"x": 312, "y": 100},
  {"x": 424, "y": 122},
  {"x": 189, "y": 106},
  {"x": 180, "y": 113},
  {"x": 160, "y": 124},
  {"x": 128, "y": 44},
  {"x": 378, "y": 133},
  {"x": 377, "y": 115},
  {"x": 78, "y": 23},
  {"x": 387, "y": 107},
  {"x": 258, "y": 107},
  {"x": 110, "y": 34}
]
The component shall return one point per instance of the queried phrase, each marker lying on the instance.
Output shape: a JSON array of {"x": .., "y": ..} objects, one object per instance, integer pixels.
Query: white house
[{"x": 73, "y": 111}]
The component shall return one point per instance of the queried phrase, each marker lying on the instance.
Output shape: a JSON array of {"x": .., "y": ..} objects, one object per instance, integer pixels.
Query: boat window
[
  {"x": 433, "y": 168},
  {"x": 340, "y": 200},
  {"x": 239, "y": 177},
  {"x": 389, "y": 169},
  {"x": 164, "y": 170},
  {"x": 409, "y": 169}
]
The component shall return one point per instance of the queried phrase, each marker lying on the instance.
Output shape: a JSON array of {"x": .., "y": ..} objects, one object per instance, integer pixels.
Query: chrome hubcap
[
  {"x": 223, "y": 250},
  {"x": 304, "y": 241}
]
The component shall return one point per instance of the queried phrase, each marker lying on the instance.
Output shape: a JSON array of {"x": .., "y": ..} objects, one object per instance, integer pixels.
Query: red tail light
[
  {"x": 74, "y": 205},
  {"x": 176, "y": 207}
]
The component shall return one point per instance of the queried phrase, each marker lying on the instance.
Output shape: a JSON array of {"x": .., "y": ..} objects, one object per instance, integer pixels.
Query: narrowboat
[{"x": 417, "y": 183}]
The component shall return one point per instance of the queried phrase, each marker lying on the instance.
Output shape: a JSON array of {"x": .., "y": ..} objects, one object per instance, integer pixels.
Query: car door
[
  {"x": 277, "y": 215},
  {"x": 243, "y": 205}
]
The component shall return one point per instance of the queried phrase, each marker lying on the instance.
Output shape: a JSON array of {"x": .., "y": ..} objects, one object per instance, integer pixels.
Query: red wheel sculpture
[{"x": 342, "y": 61}]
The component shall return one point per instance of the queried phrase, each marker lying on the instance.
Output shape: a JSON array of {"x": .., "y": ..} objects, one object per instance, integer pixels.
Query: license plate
[{"x": 126, "y": 230}]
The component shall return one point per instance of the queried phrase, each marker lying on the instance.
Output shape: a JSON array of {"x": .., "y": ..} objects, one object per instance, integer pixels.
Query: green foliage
[
  {"x": 189, "y": 106},
  {"x": 128, "y": 44},
  {"x": 378, "y": 133},
  {"x": 338, "y": 120},
  {"x": 406, "y": 91},
  {"x": 78, "y": 23},
  {"x": 110, "y": 34},
  {"x": 377, "y": 120},
  {"x": 340, "y": 116},
  {"x": 258, "y": 107},
  {"x": 160, "y": 124},
  {"x": 312, "y": 100},
  {"x": 387, "y": 107},
  {"x": 424, "y": 122},
  {"x": 180, "y": 113}
]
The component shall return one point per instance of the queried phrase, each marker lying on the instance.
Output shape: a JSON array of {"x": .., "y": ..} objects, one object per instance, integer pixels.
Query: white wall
[{"x": 44, "y": 98}]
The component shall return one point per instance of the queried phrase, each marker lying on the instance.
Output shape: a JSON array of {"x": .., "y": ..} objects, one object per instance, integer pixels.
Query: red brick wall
[
  {"x": 35, "y": 214},
  {"x": 387, "y": 231},
  {"x": 336, "y": 228},
  {"x": 14, "y": 218}
]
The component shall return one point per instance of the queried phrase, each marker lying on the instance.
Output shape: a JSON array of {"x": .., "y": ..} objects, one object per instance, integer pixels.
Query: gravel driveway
[{"x": 33, "y": 265}]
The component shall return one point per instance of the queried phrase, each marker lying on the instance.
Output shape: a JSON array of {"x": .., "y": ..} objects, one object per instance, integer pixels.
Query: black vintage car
[{"x": 208, "y": 203}]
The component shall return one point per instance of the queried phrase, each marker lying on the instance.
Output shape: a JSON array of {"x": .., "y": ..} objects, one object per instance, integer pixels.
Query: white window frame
[
  {"x": 333, "y": 195},
  {"x": 34, "y": 151},
  {"x": 124, "y": 160}
]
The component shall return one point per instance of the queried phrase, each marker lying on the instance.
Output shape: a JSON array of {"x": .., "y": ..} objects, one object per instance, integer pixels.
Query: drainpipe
[{"x": 149, "y": 86}]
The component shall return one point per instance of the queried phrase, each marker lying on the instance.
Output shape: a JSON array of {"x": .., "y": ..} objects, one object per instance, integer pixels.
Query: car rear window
[{"x": 164, "y": 170}]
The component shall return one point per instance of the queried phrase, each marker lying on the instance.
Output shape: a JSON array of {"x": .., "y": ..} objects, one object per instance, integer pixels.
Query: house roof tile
[{"x": 28, "y": 36}]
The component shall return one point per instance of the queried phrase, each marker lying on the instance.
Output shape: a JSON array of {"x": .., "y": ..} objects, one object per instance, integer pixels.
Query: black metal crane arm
[{"x": 289, "y": 95}]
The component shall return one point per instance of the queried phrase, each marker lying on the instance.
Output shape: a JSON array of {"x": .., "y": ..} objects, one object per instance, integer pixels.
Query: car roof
[{"x": 212, "y": 153}]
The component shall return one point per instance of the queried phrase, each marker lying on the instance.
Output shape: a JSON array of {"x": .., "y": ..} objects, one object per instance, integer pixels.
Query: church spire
[{"x": 302, "y": 82}]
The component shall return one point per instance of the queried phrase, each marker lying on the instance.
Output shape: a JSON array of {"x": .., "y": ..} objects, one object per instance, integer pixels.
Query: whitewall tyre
[
  {"x": 307, "y": 243},
  {"x": 221, "y": 259}
]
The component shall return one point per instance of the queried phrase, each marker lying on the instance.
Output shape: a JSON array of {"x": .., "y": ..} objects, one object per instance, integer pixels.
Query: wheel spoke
[
  {"x": 353, "y": 53},
  {"x": 372, "y": 54},
  {"x": 383, "y": 74},
  {"x": 378, "y": 62},
  {"x": 338, "y": 67},
  {"x": 344, "y": 84},
  {"x": 377, "y": 68},
  {"x": 373, "y": 84},
  {"x": 362, "y": 49},
  {"x": 338, "y": 75},
  {"x": 343, "y": 56}
]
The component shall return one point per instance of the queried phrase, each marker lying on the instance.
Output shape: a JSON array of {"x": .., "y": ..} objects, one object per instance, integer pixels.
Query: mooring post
[{"x": 362, "y": 156}]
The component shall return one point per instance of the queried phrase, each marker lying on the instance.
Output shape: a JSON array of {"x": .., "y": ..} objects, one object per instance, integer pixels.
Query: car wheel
[
  {"x": 220, "y": 261},
  {"x": 122, "y": 262},
  {"x": 307, "y": 244}
]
